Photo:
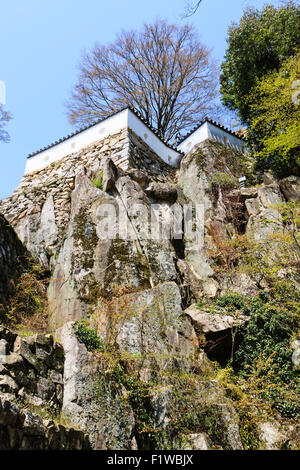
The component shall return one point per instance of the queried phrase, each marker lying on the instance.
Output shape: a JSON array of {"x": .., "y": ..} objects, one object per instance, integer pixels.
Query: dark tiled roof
[
  {"x": 134, "y": 111},
  {"x": 214, "y": 123}
]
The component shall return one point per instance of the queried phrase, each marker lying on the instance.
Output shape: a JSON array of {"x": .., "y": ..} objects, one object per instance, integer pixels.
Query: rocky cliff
[{"x": 187, "y": 340}]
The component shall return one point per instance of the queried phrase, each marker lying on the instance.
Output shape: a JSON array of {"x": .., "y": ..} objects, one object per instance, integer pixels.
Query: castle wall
[
  {"x": 39, "y": 209},
  {"x": 108, "y": 127},
  {"x": 145, "y": 159},
  {"x": 168, "y": 155},
  {"x": 77, "y": 142},
  {"x": 224, "y": 137},
  {"x": 209, "y": 131}
]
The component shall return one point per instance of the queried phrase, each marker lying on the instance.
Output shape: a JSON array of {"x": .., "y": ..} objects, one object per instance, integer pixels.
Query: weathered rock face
[
  {"x": 93, "y": 400},
  {"x": 150, "y": 329},
  {"x": 274, "y": 435},
  {"x": 13, "y": 259},
  {"x": 195, "y": 185},
  {"x": 238, "y": 283},
  {"x": 198, "y": 442},
  {"x": 264, "y": 217},
  {"x": 206, "y": 176},
  {"x": 90, "y": 264},
  {"x": 290, "y": 188},
  {"x": 207, "y": 179},
  {"x": 151, "y": 326},
  {"x": 152, "y": 337}
]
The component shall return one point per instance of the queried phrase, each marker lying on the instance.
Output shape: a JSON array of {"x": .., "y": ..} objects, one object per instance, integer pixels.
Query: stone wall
[
  {"x": 12, "y": 259},
  {"x": 143, "y": 158},
  {"x": 31, "y": 369},
  {"x": 24, "y": 430},
  {"x": 31, "y": 382}
]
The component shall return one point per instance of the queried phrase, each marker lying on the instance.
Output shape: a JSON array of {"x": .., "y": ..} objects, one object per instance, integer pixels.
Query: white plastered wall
[
  {"x": 209, "y": 131},
  {"x": 77, "y": 142},
  {"x": 167, "y": 154},
  {"x": 123, "y": 119}
]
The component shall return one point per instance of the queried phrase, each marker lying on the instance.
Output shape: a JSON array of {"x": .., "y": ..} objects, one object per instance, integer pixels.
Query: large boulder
[
  {"x": 290, "y": 188},
  {"x": 216, "y": 331},
  {"x": 162, "y": 192},
  {"x": 151, "y": 326},
  {"x": 207, "y": 322}
]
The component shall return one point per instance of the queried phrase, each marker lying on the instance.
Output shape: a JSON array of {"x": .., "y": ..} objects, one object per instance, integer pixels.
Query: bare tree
[
  {"x": 4, "y": 118},
  {"x": 191, "y": 7},
  {"x": 163, "y": 71}
]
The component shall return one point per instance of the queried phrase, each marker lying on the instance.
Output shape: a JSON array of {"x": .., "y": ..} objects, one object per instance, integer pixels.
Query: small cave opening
[
  {"x": 178, "y": 245},
  {"x": 177, "y": 240},
  {"x": 236, "y": 213},
  {"x": 221, "y": 345}
]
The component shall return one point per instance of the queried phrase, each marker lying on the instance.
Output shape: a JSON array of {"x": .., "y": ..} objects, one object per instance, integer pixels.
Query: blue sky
[{"x": 41, "y": 43}]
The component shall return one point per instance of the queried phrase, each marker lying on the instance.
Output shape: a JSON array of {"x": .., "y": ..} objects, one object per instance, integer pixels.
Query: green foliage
[
  {"x": 224, "y": 180},
  {"x": 257, "y": 45},
  {"x": 98, "y": 182},
  {"x": 232, "y": 302},
  {"x": 285, "y": 403},
  {"x": 275, "y": 121},
  {"x": 264, "y": 377},
  {"x": 28, "y": 307},
  {"x": 227, "y": 159},
  {"x": 88, "y": 336},
  {"x": 147, "y": 433},
  {"x": 290, "y": 213},
  {"x": 183, "y": 396},
  {"x": 267, "y": 335},
  {"x": 227, "y": 304},
  {"x": 248, "y": 430}
]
